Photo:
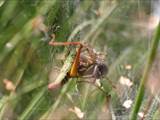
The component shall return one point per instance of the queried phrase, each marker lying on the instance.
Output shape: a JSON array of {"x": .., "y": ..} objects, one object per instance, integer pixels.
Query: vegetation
[{"x": 118, "y": 29}]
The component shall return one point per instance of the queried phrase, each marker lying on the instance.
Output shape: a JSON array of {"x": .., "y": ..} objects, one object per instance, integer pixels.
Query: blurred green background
[{"x": 121, "y": 29}]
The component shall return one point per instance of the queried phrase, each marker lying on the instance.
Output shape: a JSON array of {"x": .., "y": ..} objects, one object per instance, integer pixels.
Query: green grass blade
[{"x": 141, "y": 91}]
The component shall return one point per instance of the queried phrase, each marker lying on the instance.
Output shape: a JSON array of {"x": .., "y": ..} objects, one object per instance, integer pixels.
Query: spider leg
[
  {"x": 93, "y": 74},
  {"x": 91, "y": 53},
  {"x": 91, "y": 56}
]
